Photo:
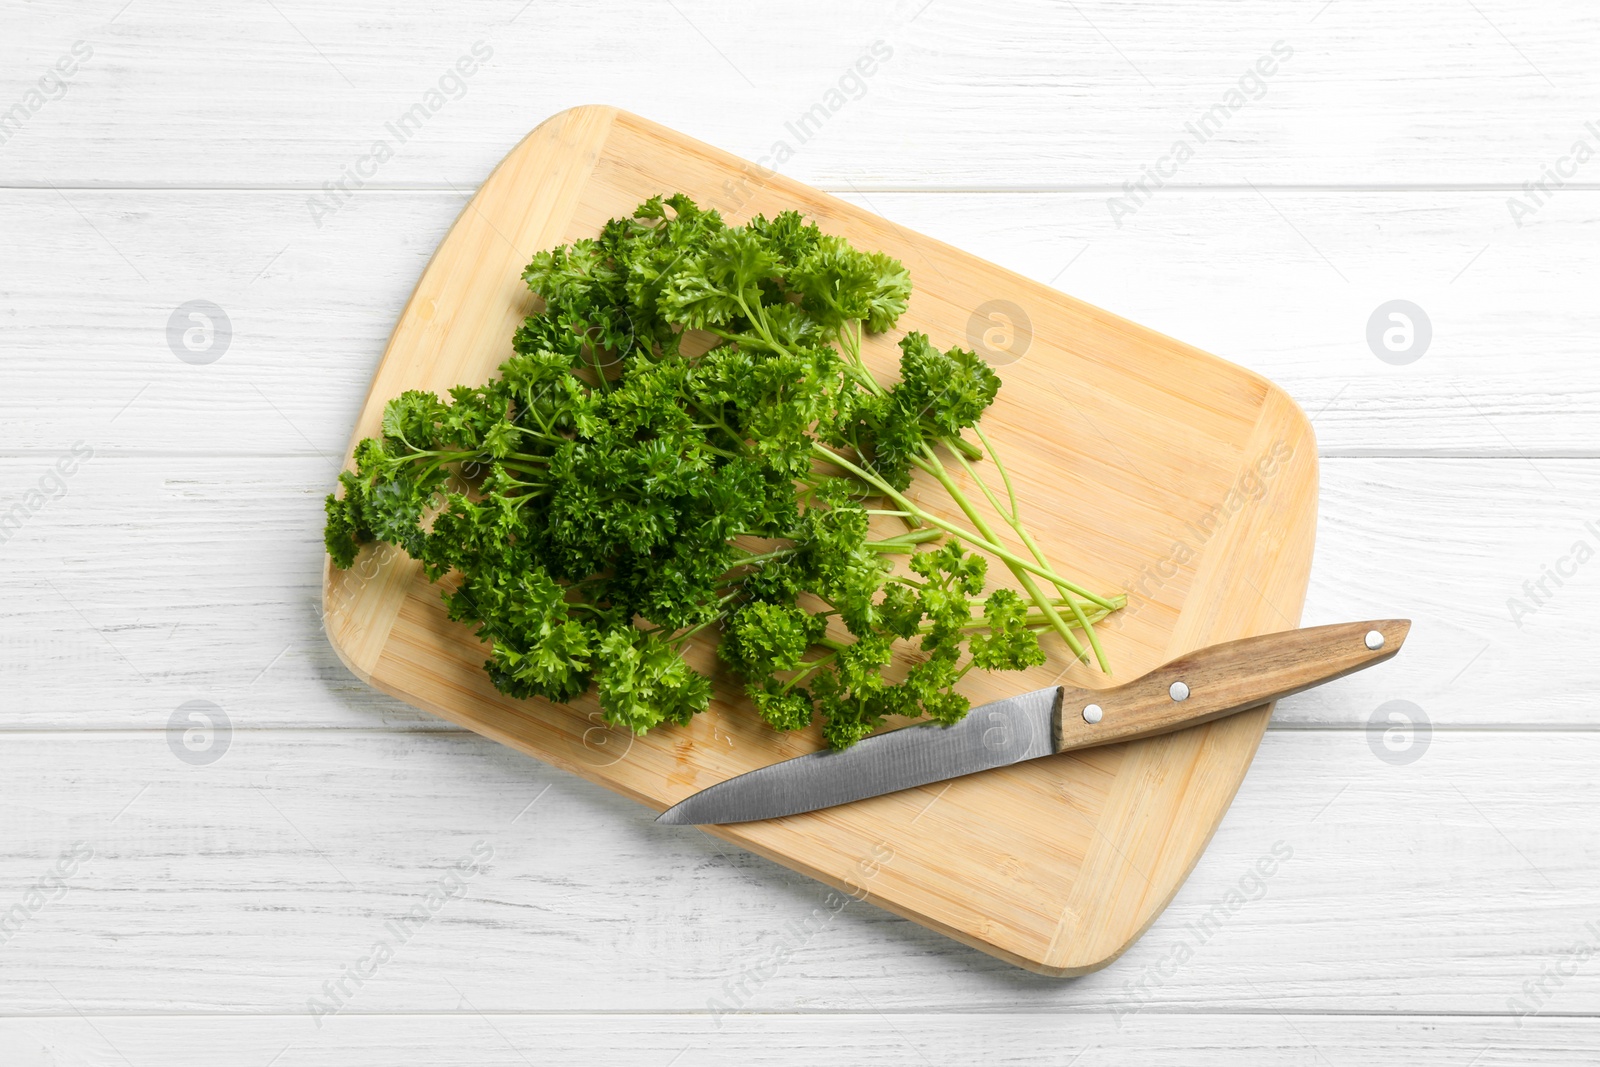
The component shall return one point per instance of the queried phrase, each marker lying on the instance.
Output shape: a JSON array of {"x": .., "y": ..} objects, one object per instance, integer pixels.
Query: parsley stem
[
  {"x": 951, "y": 528},
  {"x": 808, "y": 668},
  {"x": 905, "y": 540},
  {"x": 1033, "y": 620},
  {"x": 759, "y": 321},
  {"x": 599, "y": 368},
  {"x": 679, "y": 639},
  {"x": 994, "y": 457},
  {"x": 719, "y": 421},
  {"x": 778, "y": 553},
  {"x": 1014, "y": 520},
  {"x": 931, "y": 464}
]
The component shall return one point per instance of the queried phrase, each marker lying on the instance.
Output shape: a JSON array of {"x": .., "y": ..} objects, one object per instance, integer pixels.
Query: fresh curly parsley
[{"x": 686, "y": 440}]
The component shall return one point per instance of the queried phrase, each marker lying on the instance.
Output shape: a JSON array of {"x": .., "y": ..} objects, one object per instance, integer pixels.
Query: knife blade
[{"x": 1194, "y": 688}]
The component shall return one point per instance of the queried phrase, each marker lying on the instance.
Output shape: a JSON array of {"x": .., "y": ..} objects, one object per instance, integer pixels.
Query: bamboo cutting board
[{"x": 1143, "y": 465}]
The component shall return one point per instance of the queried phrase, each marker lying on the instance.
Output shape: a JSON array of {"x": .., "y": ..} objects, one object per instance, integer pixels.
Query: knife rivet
[
  {"x": 1374, "y": 640},
  {"x": 1179, "y": 691},
  {"x": 1092, "y": 714}
]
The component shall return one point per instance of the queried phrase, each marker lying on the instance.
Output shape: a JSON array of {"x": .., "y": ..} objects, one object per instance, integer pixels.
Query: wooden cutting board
[{"x": 1143, "y": 465}]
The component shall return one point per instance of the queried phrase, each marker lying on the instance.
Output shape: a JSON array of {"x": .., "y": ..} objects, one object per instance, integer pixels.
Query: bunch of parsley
[{"x": 686, "y": 439}]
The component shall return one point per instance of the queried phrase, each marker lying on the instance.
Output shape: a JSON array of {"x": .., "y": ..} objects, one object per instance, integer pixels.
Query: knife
[{"x": 1195, "y": 688}]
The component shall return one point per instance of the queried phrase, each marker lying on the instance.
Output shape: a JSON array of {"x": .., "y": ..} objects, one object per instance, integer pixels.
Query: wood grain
[
  {"x": 293, "y": 850},
  {"x": 322, "y": 302},
  {"x": 215, "y": 590},
  {"x": 184, "y": 561},
  {"x": 463, "y": 1039},
  {"x": 1220, "y": 680},
  {"x": 1430, "y": 93},
  {"x": 1222, "y": 427}
]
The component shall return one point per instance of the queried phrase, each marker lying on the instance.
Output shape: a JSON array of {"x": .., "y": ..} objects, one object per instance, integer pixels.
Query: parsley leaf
[{"x": 617, "y": 490}]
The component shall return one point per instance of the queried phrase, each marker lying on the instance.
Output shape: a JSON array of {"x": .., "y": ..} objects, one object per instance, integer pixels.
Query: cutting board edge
[
  {"x": 622, "y": 117},
  {"x": 400, "y": 574},
  {"x": 560, "y": 118},
  {"x": 1280, "y": 419},
  {"x": 1051, "y": 962},
  {"x": 1099, "y": 962}
]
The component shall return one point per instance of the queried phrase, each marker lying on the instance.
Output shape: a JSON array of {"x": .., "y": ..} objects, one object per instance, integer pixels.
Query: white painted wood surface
[
  {"x": 1511, "y": 370},
  {"x": 212, "y": 592},
  {"x": 1427, "y": 904}
]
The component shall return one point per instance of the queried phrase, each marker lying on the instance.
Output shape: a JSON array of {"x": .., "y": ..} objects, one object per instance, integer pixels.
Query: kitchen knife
[{"x": 1195, "y": 688}]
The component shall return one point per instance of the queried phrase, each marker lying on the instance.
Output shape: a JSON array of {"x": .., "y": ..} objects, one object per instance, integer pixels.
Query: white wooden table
[{"x": 1439, "y": 902}]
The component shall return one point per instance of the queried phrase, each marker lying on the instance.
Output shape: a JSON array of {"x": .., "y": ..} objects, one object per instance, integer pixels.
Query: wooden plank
[
  {"x": 202, "y": 569},
  {"x": 212, "y": 593},
  {"x": 465, "y": 1039},
  {"x": 244, "y": 885},
  {"x": 311, "y": 309},
  {"x": 1432, "y": 92},
  {"x": 982, "y": 871}
]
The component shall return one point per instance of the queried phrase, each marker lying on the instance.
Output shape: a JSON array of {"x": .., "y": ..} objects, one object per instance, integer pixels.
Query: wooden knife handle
[{"x": 1222, "y": 679}]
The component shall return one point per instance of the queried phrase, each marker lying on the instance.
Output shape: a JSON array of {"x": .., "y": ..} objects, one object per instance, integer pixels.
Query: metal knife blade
[
  {"x": 992, "y": 735},
  {"x": 1195, "y": 688}
]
